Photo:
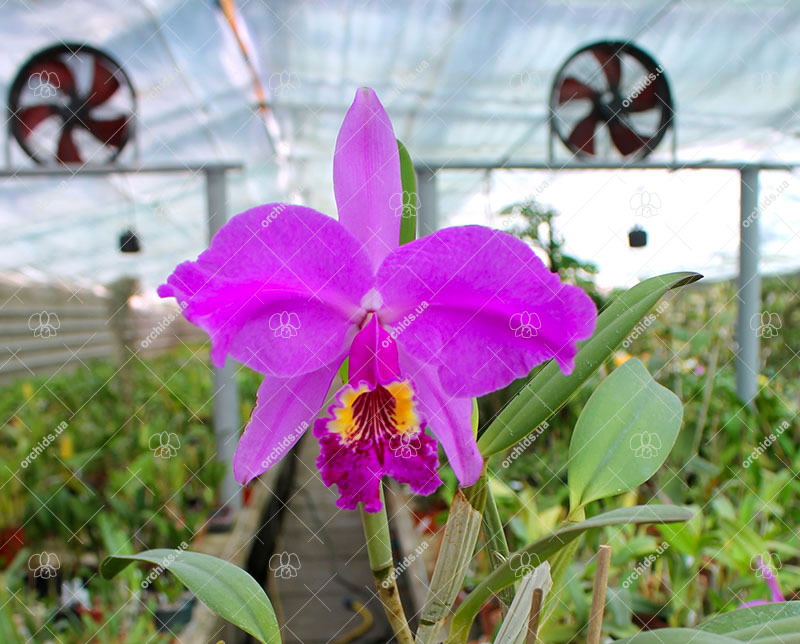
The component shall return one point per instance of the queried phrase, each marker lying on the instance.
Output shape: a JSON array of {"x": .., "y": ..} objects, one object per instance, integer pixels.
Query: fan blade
[
  {"x": 582, "y": 135},
  {"x": 609, "y": 61},
  {"x": 625, "y": 138},
  {"x": 571, "y": 88},
  {"x": 646, "y": 100},
  {"x": 51, "y": 74},
  {"x": 104, "y": 84},
  {"x": 32, "y": 116},
  {"x": 109, "y": 131},
  {"x": 67, "y": 150}
]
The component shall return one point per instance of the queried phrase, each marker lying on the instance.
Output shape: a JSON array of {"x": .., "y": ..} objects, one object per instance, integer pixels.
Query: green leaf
[
  {"x": 408, "y": 178},
  {"x": 677, "y": 636},
  {"x": 745, "y": 624},
  {"x": 226, "y": 589},
  {"x": 542, "y": 549},
  {"x": 623, "y": 435},
  {"x": 549, "y": 389}
]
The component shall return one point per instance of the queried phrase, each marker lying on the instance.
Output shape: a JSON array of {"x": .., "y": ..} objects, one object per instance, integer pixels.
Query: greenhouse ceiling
[{"x": 463, "y": 81}]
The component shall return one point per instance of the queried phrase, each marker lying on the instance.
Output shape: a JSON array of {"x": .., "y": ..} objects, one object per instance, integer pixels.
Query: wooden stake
[
  {"x": 599, "y": 595},
  {"x": 533, "y": 622}
]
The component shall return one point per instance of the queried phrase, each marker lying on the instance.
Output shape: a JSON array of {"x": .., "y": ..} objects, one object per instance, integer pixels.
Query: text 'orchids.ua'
[{"x": 293, "y": 293}]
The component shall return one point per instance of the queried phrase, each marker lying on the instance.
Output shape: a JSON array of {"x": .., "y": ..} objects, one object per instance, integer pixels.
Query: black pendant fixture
[
  {"x": 637, "y": 237},
  {"x": 129, "y": 241}
]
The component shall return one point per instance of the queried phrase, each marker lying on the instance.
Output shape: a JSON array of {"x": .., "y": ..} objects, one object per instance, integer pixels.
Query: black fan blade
[
  {"x": 112, "y": 131},
  {"x": 571, "y": 89},
  {"x": 67, "y": 150},
  {"x": 626, "y": 140},
  {"x": 582, "y": 135},
  {"x": 609, "y": 61}
]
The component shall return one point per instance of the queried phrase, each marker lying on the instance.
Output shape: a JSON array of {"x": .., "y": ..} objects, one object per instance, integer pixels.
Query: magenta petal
[
  {"x": 356, "y": 472},
  {"x": 485, "y": 309},
  {"x": 412, "y": 459},
  {"x": 366, "y": 176},
  {"x": 278, "y": 290},
  {"x": 448, "y": 417},
  {"x": 285, "y": 409},
  {"x": 373, "y": 356}
]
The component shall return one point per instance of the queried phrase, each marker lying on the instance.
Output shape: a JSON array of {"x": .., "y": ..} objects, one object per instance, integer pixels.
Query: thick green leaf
[
  {"x": 549, "y": 389},
  {"x": 408, "y": 224},
  {"x": 756, "y": 621},
  {"x": 522, "y": 561},
  {"x": 677, "y": 636},
  {"x": 226, "y": 589},
  {"x": 623, "y": 435}
]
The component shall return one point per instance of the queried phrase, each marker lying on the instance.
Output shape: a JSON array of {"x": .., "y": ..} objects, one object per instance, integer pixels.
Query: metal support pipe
[
  {"x": 748, "y": 322},
  {"x": 227, "y": 422},
  {"x": 428, "y": 199}
]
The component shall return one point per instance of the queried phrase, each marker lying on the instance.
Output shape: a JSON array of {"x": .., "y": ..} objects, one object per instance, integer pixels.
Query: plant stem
[
  {"x": 599, "y": 595},
  {"x": 379, "y": 548}
]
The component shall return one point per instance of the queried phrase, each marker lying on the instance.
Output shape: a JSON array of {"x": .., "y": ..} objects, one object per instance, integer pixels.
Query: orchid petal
[
  {"x": 278, "y": 290},
  {"x": 448, "y": 417},
  {"x": 285, "y": 409},
  {"x": 373, "y": 356},
  {"x": 482, "y": 307},
  {"x": 366, "y": 177}
]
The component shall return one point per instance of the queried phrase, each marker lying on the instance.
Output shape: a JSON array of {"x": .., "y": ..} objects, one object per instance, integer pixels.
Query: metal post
[
  {"x": 747, "y": 358},
  {"x": 428, "y": 211},
  {"x": 227, "y": 422}
]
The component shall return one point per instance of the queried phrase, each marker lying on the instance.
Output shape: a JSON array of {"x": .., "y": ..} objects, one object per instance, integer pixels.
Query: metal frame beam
[{"x": 748, "y": 361}]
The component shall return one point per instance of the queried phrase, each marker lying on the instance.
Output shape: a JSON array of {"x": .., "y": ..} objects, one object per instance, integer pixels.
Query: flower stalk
[{"x": 379, "y": 549}]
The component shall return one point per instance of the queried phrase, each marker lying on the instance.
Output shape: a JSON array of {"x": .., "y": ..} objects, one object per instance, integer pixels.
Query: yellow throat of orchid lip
[{"x": 372, "y": 414}]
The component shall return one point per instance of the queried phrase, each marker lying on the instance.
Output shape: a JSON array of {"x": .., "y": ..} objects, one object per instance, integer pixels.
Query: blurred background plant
[{"x": 80, "y": 481}]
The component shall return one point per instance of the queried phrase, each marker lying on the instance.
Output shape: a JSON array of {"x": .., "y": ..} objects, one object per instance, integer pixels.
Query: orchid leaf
[
  {"x": 746, "y": 624},
  {"x": 623, "y": 435},
  {"x": 549, "y": 389},
  {"x": 522, "y": 561},
  {"x": 408, "y": 223},
  {"x": 678, "y": 636},
  {"x": 226, "y": 589}
]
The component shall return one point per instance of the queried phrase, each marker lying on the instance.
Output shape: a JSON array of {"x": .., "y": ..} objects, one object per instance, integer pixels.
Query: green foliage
[
  {"x": 226, "y": 589},
  {"x": 623, "y": 435}
]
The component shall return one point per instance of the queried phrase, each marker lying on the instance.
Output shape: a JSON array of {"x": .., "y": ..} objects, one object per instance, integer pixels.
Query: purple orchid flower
[
  {"x": 767, "y": 573},
  {"x": 426, "y": 326}
]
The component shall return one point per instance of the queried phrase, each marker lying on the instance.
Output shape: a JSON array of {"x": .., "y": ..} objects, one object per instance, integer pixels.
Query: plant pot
[{"x": 174, "y": 616}]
